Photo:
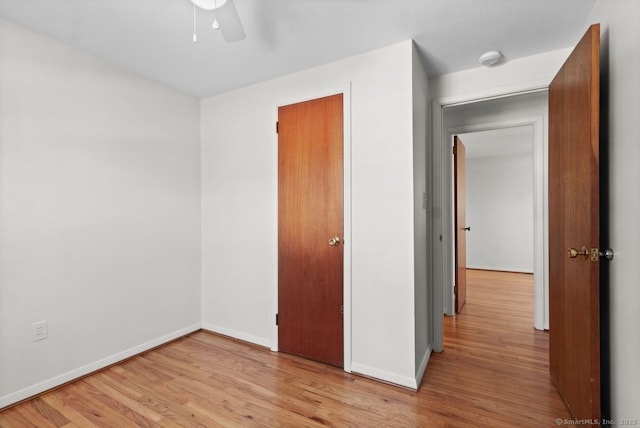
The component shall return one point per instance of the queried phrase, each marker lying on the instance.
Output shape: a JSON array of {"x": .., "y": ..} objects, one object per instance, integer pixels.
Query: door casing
[
  {"x": 346, "y": 91},
  {"x": 442, "y": 188}
]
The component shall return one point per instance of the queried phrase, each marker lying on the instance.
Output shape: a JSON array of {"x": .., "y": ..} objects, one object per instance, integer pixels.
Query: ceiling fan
[{"x": 226, "y": 19}]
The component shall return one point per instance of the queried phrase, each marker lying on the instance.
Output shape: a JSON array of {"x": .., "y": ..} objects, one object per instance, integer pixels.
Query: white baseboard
[
  {"x": 71, "y": 375},
  {"x": 394, "y": 378},
  {"x": 422, "y": 368},
  {"x": 261, "y": 341}
]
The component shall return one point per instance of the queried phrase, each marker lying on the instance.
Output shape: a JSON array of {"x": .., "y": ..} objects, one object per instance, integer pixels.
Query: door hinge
[
  {"x": 454, "y": 150},
  {"x": 455, "y": 289},
  {"x": 277, "y": 127},
  {"x": 277, "y": 319}
]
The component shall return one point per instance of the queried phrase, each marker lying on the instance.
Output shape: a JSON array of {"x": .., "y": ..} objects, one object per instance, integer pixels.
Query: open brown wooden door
[
  {"x": 460, "y": 195},
  {"x": 310, "y": 229},
  {"x": 574, "y": 316}
]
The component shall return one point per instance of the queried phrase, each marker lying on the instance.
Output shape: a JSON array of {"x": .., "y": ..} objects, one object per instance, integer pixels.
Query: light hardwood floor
[{"x": 493, "y": 372}]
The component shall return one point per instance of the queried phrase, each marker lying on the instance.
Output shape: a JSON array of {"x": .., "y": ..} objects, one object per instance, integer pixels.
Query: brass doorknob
[
  {"x": 573, "y": 253},
  {"x": 335, "y": 241}
]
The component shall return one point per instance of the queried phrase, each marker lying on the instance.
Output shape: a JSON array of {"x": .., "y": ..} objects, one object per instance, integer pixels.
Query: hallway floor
[{"x": 495, "y": 365}]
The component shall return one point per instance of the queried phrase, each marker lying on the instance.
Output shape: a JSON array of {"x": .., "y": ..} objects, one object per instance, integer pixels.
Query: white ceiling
[{"x": 154, "y": 37}]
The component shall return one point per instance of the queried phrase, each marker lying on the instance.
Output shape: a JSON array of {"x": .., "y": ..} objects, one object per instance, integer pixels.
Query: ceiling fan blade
[{"x": 230, "y": 25}]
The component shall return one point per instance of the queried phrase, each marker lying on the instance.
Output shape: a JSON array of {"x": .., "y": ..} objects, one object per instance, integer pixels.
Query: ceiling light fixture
[
  {"x": 490, "y": 58},
  {"x": 225, "y": 18}
]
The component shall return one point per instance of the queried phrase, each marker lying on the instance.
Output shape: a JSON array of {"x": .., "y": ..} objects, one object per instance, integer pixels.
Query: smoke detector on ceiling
[{"x": 491, "y": 58}]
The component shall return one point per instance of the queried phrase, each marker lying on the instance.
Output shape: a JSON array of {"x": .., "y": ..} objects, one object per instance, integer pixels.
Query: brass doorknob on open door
[
  {"x": 573, "y": 253},
  {"x": 335, "y": 241},
  {"x": 606, "y": 254}
]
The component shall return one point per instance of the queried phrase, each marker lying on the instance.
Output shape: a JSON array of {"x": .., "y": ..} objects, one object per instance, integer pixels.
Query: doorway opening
[
  {"x": 512, "y": 113},
  {"x": 494, "y": 209}
]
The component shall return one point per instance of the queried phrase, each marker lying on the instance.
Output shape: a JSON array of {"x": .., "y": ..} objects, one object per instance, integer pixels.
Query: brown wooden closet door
[{"x": 310, "y": 229}]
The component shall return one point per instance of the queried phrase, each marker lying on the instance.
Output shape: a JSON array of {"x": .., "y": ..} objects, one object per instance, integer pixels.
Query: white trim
[
  {"x": 423, "y": 366},
  {"x": 347, "y": 230},
  {"x": 541, "y": 224},
  {"x": 74, "y": 374},
  {"x": 442, "y": 247},
  {"x": 347, "y": 260},
  {"x": 261, "y": 341},
  {"x": 385, "y": 376},
  {"x": 494, "y": 93}
]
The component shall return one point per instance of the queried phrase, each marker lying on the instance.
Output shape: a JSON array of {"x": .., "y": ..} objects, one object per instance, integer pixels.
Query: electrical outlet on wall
[{"x": 39, "y": 330}]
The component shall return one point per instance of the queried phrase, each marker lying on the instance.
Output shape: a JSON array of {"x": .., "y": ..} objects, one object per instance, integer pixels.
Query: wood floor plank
[
  {"x": 493, "y": 373},
  {"x": 37, "y": 408},
  {"x": 70, "y": 412},
  {"x": 101, "y": 383}
]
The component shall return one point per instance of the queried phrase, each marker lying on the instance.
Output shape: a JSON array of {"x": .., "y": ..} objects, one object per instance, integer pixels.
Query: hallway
[{"x": 495, "y": 364}]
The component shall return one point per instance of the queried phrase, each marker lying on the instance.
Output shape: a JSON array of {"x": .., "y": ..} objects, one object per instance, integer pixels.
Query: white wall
[
  {"x": 621, "y": 63},
  {"x": 99, "y": 213},
  {"x": 422, "y": 236},
  {"x": 239, "y": 207},
  {"x": 530, "y": 72},
  {"x": 500, "y": 212}
]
